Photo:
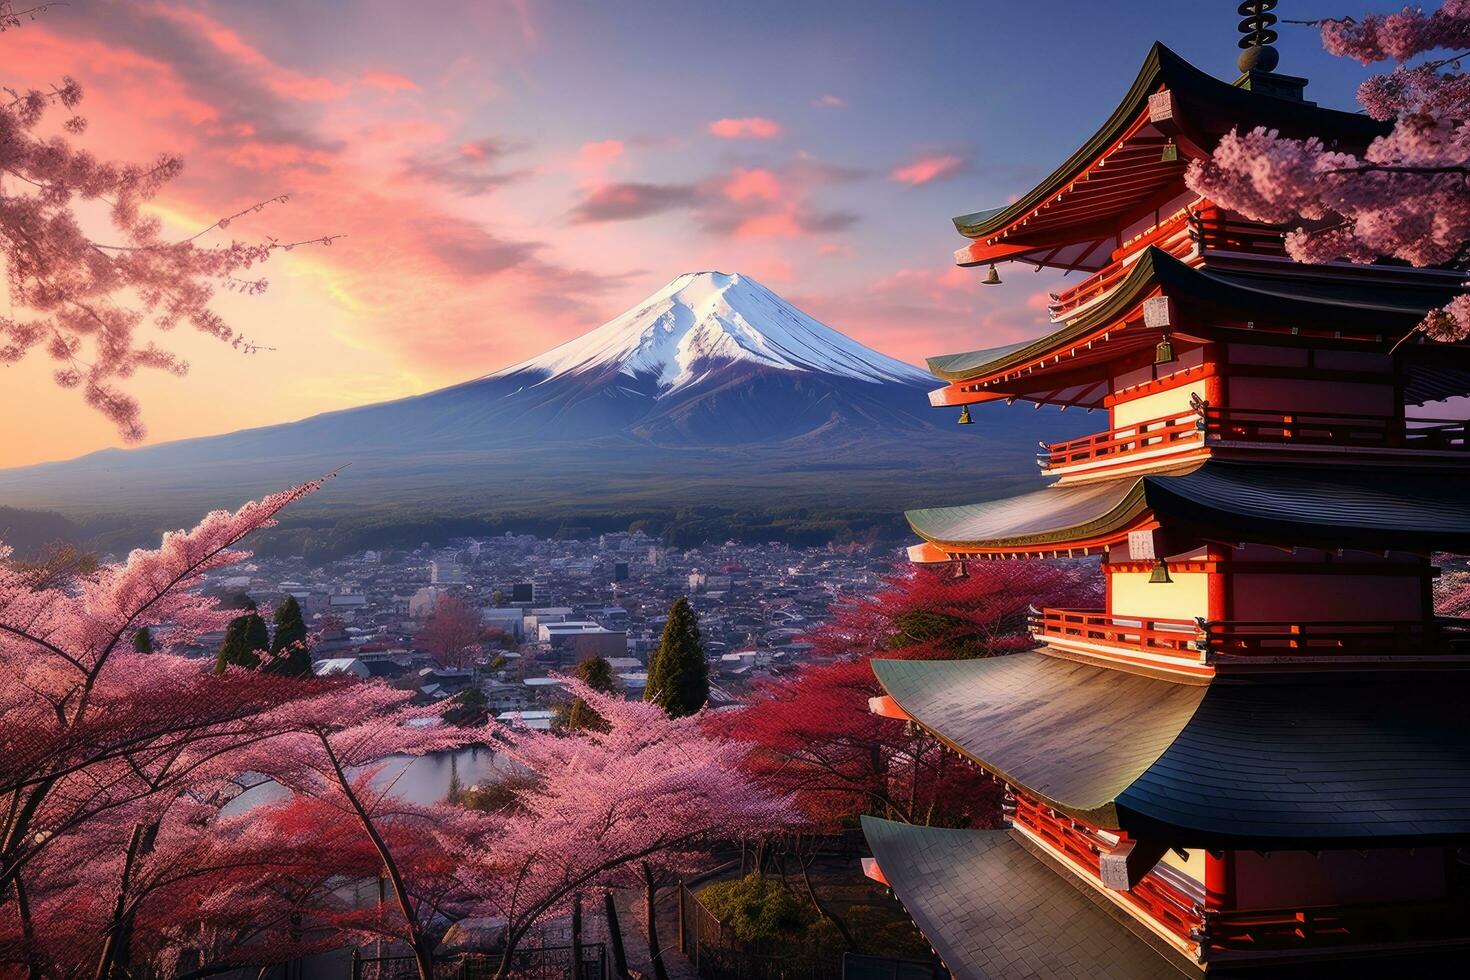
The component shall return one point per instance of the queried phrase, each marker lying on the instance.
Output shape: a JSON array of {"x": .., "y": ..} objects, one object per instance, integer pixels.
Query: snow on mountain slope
[{"x": 702, "y": 319}]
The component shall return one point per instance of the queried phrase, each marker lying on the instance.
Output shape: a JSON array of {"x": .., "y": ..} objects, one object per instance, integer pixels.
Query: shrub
[{"x": 757, "y": 909}]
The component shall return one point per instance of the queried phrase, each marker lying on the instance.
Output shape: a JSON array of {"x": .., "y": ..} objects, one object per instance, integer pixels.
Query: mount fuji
[{"x": 712, "y": 391}]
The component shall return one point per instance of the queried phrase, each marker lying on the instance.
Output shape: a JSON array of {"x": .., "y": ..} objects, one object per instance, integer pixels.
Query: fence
[
  {"x": 856, "y": 966},
  {"x": 535, "y": 963},
  {"x": 717, "y": 956}
]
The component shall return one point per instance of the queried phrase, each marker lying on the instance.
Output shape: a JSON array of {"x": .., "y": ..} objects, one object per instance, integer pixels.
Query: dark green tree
[
  {"x": 578, "y": 716},
  {"x": 678, "y": 676},
  {"x": 290, "y": 656},
  {"x": 143, "y": 641},
  {"x": 468, "y": 708},
  {"x": 243, "y": 638}
]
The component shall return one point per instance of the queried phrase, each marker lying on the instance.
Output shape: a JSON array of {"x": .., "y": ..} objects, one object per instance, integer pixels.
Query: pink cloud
[
  {"x": 388, "y": 81},
  {"x": 753, "y": 185},
  {"x": 829, "y": 102},
  {"x": 776, "y": 224},
  {"x": 832, "y": 250},
  {"x": 594, "y": 157},
  {"x": 926, "y": 170},
  {"x": 746, "y": 127},
  {"x": 283, "y": 81}
]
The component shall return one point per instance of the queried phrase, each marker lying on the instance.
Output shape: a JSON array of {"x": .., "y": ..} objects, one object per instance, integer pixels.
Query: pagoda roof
[
  {"x": 1203, "y": 107},
  {"x": 991, "y": 909},
  {"x": 1074, "y": 735},
  {"x": 1378, "y": 311},
  {"x": 1270, "y": 503},
  {"x": 1307, "y": 761}
]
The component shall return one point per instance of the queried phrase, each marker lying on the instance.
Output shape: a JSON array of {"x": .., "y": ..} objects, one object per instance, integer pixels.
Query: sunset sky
[{"x": 511, "y": 173}]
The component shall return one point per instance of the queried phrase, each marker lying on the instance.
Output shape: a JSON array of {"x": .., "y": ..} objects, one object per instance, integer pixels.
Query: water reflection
[{"x": 423, "y": 780}]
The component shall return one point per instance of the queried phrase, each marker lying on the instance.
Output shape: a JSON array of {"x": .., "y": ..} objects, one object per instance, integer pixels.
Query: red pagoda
[{"x": 1255, "y": 758}]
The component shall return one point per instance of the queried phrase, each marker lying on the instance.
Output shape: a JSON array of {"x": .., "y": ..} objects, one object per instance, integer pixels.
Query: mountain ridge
[{"x": 711, "y": 389}]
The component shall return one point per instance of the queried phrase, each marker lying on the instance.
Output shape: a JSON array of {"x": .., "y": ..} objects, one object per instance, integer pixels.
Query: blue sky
[{"x": 512, "y": 173}]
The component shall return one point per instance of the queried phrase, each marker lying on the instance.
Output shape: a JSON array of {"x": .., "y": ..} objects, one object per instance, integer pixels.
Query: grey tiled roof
[
  {"x": 995, "y": 912},
  {"x": 1294, "y": 761},
  {"x": 1072, "y": 734},
  {"x": 1341, "y": 762},
  {"x": 1330, "y": 506}
]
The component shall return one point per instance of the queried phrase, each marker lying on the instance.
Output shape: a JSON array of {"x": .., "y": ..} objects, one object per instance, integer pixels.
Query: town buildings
[
  {"x": 606, "y": 596},
  {"x": 1253, "y": 759}
]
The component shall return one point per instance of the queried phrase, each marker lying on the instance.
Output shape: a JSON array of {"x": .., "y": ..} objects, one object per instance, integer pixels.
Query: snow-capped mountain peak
[{"x": 703, "y": 320}]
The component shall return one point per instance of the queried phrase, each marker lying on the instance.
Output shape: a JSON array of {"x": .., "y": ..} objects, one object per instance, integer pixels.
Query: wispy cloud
[
  {"x": 630, "y": 200},
  {"x": 469, "y": 169},
  {"x": 930, "y": 169},
  {"x": 828, "y": 102},
  {"x": 746, "y": 127},
  {"x": 388, "y": 81}
]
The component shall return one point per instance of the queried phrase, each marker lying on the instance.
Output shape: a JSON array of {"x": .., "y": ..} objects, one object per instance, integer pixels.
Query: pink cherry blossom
[{"x": 1407, "y": 196}]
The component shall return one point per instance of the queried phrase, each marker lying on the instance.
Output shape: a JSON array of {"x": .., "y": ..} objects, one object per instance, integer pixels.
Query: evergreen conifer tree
[
  {"x": 597, "y": 673},
  {"x": 143, "y": 641},
  {"x": 290, "y": 654},
  {"x": 245, "y": 635},
  {"x": 678, "y": 676}
]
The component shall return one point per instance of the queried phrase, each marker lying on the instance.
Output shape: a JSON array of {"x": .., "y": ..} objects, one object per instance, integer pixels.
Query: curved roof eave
[
  {"x": 1074, "y": 735},
  {"x": 1163, "y": 68},
  {"x": 1155, "y": 268},
  {"x": 1051, "y": 516},
  {"x": 1129, "y": 292},
  {"x": 1280, "y": 762}
]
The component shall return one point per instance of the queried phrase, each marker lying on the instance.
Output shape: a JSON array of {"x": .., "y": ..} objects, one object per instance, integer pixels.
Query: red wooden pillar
[
  {"x": 1217, "y": 584},
  {"x": 1219, "y": 880}
]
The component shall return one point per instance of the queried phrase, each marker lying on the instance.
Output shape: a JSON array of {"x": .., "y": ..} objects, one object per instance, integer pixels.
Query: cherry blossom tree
[
  {"x": 1408, "y": 195},
  {"x": 88, "y": 724},
  {"x": 82, "y": 296},
  {"x": 603, "y": 803},
  {"x": 99, "y": 740}
]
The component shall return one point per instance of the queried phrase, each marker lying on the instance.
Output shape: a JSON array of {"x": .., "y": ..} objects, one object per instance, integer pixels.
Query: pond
[{"x": 422, "y": 780}]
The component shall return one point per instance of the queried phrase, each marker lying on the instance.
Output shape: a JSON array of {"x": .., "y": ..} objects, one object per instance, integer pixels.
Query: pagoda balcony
[
  {"x": 1155, "y": 437},
  {"x": 1212, "y": 230},
  {"x": 1174, "y": 236},
  {"x": 1247, "y": 934},
  {"x": 1184, "y": 235},
  {"x": 1249, "y": 644},
  {"x": 1208, "y": 426}
]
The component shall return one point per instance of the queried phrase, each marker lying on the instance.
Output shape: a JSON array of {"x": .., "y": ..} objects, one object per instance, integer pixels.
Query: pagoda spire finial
[{"x": 1257, "y": 36}]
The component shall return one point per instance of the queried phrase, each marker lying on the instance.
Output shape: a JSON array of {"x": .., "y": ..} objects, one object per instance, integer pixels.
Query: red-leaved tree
[
  {"x": 814, "y": 736},
  {"x": 1408, "y": 196},
  {"x": 452, "y": 634}
]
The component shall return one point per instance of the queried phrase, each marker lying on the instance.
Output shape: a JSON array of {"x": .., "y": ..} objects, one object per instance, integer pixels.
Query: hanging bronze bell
[
  {"x": 1164, "y": 352},
  {"x": 1171, "y": 153},
  {"x": 965, "y": 416},
  {"x": 992, "y": 278},
  {"x": 1160, "y": 574}
]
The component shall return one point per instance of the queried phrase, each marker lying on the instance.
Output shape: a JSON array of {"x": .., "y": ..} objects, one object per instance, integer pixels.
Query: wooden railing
[
  {"x": 1334, "y": 429},
  {"x": 1196, "y": 639},
  {"x": 1082, "y": 844},
  {"x": 1268, "y": 930},
  {"x": 1339, "y": 639},
  {"x": 1213, "y": 231},
  {"x": 1175, "y": 637},
  {"x": 1246, "y": 425},
  {"x": 1153, "y": 434},
  {"x": 1173, "y": 237}
]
